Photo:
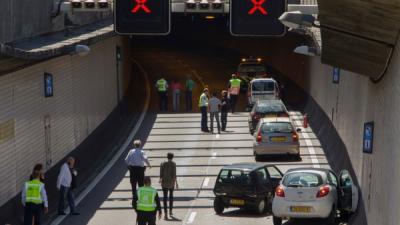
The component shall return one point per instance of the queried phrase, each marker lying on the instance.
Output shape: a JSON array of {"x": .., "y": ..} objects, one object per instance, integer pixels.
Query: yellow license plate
[
  {"x": 300, "y": 209},
  {"x": 237, "y": 202},
  {"x": 278, "y": 139}
]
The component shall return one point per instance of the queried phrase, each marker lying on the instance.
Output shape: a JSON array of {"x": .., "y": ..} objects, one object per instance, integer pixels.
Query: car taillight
[
  {"x": 259, "y": 137},
  {"x": 279, "y": 192},
  {"x": 323, "y": 191},
  {"x": 295, "y": 137}
]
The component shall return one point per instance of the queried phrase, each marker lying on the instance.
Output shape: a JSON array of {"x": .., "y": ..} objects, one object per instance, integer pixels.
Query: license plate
[
  {"x": 278, "y": 139},
  {"x": 237, "y": 202},
  {"x": 300, "y": 209}
]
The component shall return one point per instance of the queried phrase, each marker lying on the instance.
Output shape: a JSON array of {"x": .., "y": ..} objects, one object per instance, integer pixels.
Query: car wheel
[
  {"x": 218, "y": 206},
  {"x": 277, "y": 220},
  {"x": 298, "y": 157},
  {"x": 260, "y": 208}
]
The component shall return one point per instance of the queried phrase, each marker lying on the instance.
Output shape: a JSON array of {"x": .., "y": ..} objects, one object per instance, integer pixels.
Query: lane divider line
[
  {"x": 191, "y": 217},
  {"x": 206, "y": 181},
  {"x": 122, "y": 149}
]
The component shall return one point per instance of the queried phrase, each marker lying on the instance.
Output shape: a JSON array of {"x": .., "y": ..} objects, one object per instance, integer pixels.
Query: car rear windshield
[
  {"x": 268, "y": 107},
  {"x": 263, "y": 86},
  {"x": 302, "y": 179},
  {"x": 277, "y": 127},
  {"x": 234, "y": 177},
  {"x": 251, "y": 68}
]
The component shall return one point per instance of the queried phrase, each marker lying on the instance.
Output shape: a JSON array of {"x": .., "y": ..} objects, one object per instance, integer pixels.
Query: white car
[
  {"x": 262, "y": 89},
  {"x": 314, "y": 193}
]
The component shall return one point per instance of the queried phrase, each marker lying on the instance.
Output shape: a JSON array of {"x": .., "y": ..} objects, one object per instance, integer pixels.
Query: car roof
[
  {"x": 275, "y": 119},
  {"x": 244, "y": 166},
  {"x": 263, "y": 80},
  {"x": 270, "y": 101},
  {"x": 310, "y": 169}
]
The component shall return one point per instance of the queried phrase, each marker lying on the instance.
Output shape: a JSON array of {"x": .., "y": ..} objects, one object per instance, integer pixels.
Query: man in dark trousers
[
  {"x": 224, "y": 109},
  {"x": 234, "y": 90},
  {"x": 34, "y": 199},
  {"x": 146, "y": 204},
  {"x": 168, "y": 182},
  {"x": 203, "y": 105},
  {"x": 136, "y": 160}
]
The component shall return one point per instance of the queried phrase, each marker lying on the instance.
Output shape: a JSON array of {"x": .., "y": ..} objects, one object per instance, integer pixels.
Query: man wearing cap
[
  {"x": 136, "y": 160},
  {"x": 234, "y": 89},
  {"x": 146, "y": 204},
  {"x": 203, "y": 105}
]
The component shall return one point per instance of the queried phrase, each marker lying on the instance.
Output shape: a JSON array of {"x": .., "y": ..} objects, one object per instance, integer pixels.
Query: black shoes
[
  {"x": 62, "y": 213},
  {"x": 75, "y": 214}
]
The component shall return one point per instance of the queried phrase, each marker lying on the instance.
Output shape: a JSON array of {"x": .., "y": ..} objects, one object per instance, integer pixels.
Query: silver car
[
  {"x": 314, "y": 193},
  {"x": 276, "y": 136}
]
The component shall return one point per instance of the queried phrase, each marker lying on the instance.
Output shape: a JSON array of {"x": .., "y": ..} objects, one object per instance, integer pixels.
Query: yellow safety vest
[
  {"x": 203, "y": 100},
  {"x": 162, "y": 85},
  {"x": 235, "y": 86},
  {"x": 33, "y": 192},
  {"x": 146, "y": 199}
]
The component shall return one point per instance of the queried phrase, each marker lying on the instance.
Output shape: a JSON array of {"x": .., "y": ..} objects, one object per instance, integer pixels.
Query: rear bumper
[
  {"x": 248, "y": 201},
  {"x": 276, "y": 149},
  {"x": 319, "y": 209}
]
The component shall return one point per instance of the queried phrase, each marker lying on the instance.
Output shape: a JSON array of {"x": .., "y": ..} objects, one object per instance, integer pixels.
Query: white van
[{"x": 262, "y": 89}]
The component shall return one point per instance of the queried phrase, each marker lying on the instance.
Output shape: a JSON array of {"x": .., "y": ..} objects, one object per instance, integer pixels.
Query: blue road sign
[
  {"x": 336, "y": 75},
  {"x": 368, "y": 139},
  {"x": 48, "y": 85}
]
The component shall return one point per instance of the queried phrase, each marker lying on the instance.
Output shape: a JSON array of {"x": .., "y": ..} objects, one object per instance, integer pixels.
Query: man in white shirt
[
  {"x": 64, "y": 186},
  {"x": 136, "y": 160}
]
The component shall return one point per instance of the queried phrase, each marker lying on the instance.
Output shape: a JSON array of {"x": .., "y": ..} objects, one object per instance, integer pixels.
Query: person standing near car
[
  {"x": 176, "y": 95},
  {"x": 34, "y": 199},
  {"x": 224, "y": 109},
  {"x": 168, "y": 182},
  {"x": 213, "y": 106},
  {"x": 136, "y": 160},
  {"x": 64, "y": 182},
  {"x": 162, "y": 87},
  {"x": 189, "y": 85},
  {"x": 203, "y": 105},
  {"x": 234, "y": 90}
]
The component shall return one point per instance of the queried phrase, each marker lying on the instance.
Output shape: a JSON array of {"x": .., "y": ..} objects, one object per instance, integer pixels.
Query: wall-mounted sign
[
  {"x": 368, "y": 137},
  {"x": 48, "y": 85},
  {"x": 335, "y": 75}
]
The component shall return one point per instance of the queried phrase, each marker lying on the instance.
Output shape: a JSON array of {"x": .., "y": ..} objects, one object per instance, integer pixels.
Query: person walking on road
[
  {"x": 34, "y": 199},
  {"x": 213, "y": 105},
  {"x": 147, "y": 203},
  {"x": 234, "y": 90},
  {"x": 189, "y": 85},
  {"x": 136, "y": 160},
  {"x": 176, "y": 95},
  {"x": 168, "y": 182},
  {"x": 64, "y": 182},
  {"x": 162, "y": 87},
  {"x": 224, "y": 110},
  {"x": 203, "y": 105}
]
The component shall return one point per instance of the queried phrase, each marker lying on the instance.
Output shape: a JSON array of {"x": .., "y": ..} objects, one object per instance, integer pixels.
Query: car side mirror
[{"x": 298, "y": 129}]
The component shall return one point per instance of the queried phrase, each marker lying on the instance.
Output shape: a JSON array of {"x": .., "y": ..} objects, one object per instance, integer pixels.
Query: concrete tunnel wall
[{"x": 351, "y": 103}]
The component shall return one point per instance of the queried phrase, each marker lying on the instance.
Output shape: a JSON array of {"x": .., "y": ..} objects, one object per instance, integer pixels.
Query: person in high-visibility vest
[
  {"x": 147, "y": 204},
  {"x": 203, "y": 105},
  {"x": 34, "y": 199},
  {"x": 162, "y": 87},
  {"x": 234, "y": 90}
]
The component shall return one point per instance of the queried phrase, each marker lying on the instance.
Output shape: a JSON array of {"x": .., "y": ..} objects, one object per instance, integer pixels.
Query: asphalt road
[{"x": 199, "y": 156}]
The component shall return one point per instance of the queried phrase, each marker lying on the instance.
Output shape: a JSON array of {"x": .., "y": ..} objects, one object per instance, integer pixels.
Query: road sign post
[
  {"x": 368, "y": 137},
  {"x": 257, "y": 17},
  {"x": 335, "y": 75}
]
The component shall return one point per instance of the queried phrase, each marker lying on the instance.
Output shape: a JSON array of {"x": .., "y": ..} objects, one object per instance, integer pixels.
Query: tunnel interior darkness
[{"x": 205, "y": 49}]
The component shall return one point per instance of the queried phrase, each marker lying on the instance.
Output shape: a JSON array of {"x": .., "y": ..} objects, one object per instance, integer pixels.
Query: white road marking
[
  {"x": 217, "y": 136},
  {"x": 206, "y": 181},
  {"x": 214, "y": 155},
  {"x": 309, "y": 143},
  {"x": 122, "y": 149},
  {"x": 191, "y": 217}
]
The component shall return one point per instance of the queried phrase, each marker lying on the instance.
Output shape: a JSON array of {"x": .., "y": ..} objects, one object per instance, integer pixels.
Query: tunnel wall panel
[
  {"x": 351, "y": 103},
  {"x": 84, "y": 95}
]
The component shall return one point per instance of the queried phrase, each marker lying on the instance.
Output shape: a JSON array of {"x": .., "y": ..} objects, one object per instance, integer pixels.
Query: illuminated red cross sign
[
  {"x": 257, "y": 6},
  {"x": 141, "y": 4}
]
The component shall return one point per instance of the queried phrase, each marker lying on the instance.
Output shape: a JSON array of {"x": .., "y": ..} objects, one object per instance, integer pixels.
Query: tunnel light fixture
[
  {"x": 296, "y": 20},
  {"x": 204, "y": 4},
  {"x": 190, "y": 4},
  {"x": 259, "y": 59},
  {"x": 76, "y": 4},
  {"x": 210, "y": 17},
  {"x": 89, "y": 4},
  {"x": 103, "y": 4},
  {"x": 217, "y": 4},
  {"x": 244, "y": 59},
  {"x": 306, "y": 50}
]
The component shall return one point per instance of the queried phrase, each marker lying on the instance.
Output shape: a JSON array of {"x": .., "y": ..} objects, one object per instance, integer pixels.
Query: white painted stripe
[
  {"x": 217, "y": 136},
  {"x": 214, "y": 155},
  {"x": 122, "y": 149},
  {"x": 191, "y": 217},
  {"x": 206, "y": 181}
]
